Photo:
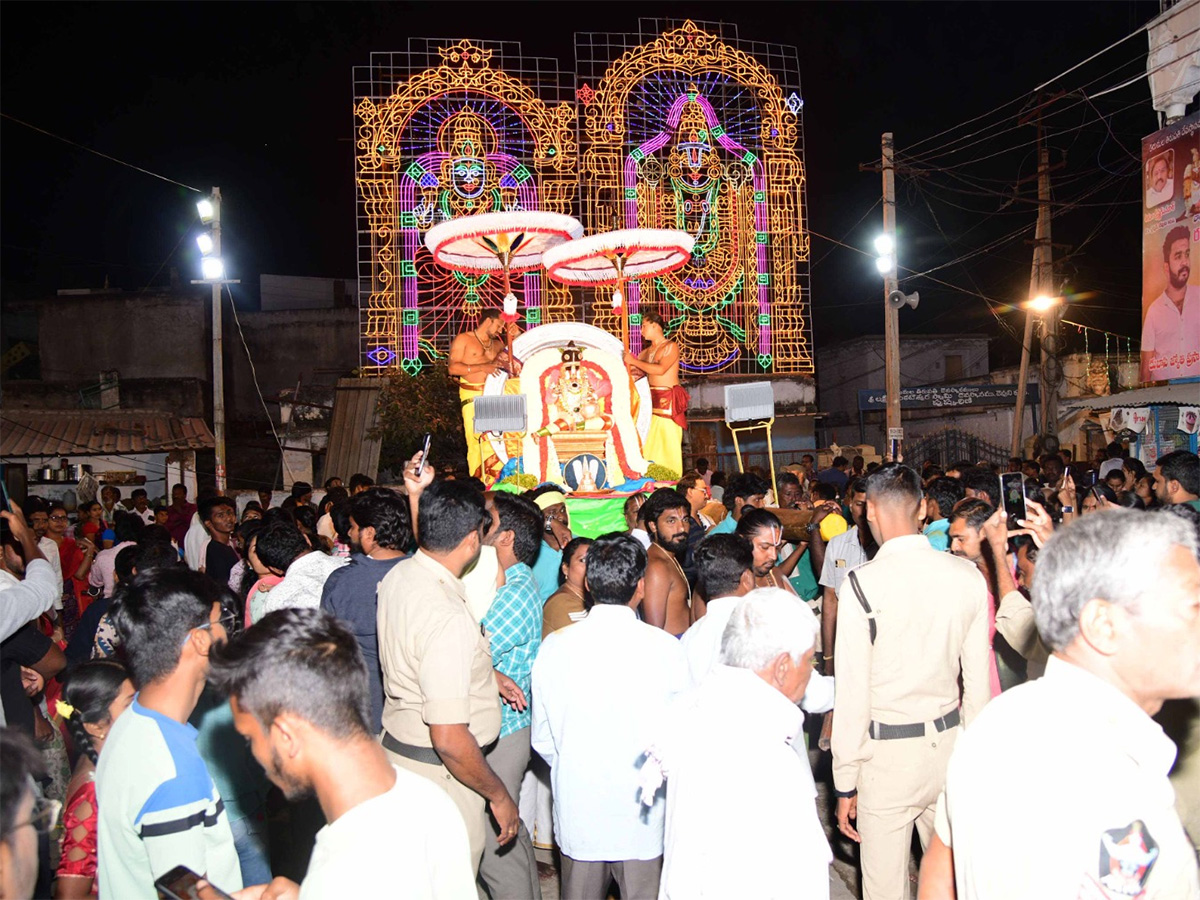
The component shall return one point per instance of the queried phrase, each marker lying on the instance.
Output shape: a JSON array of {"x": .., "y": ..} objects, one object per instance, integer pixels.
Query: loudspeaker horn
[{"x": 898, "y": 299}]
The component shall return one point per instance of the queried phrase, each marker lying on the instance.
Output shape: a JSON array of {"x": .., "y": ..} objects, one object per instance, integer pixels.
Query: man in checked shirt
[{"x": 514, "y": 626}]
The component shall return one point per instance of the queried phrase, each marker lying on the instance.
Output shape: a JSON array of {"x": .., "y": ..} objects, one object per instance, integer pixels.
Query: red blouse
[{"x": 79, "y": 834}]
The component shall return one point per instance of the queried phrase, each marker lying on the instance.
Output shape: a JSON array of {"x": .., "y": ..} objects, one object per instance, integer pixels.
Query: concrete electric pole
[
  {"x": 891, "y": 313},
  {"x": 213, "y": 270},
  {"x": 1041, "y": 303},
  {"x": 218, "y": 351}
]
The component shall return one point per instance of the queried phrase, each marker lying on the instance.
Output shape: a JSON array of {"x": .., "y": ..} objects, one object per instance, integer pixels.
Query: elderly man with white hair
[
  {"x": 1059, "y": 788},
  {"x": 741, "y": 810}
]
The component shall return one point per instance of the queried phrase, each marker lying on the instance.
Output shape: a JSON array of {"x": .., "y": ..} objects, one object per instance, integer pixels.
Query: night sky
[{"x": 257, "y": 98}]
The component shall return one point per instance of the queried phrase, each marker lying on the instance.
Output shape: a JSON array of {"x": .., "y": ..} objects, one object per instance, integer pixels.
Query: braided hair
[{"x": 89, "y": 689}]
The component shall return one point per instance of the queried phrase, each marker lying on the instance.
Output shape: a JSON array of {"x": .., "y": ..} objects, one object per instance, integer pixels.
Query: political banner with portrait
[{"x": 1171, "y": 252}]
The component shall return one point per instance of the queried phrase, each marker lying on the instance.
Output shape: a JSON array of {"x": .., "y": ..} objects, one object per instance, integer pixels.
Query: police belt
[
  {"x": 425, "y": 755},
  {"x": 881, "y": 732}
]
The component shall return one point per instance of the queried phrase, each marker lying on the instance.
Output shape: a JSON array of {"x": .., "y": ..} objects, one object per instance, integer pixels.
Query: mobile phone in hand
[
  {"x": 424, "y": 456},
  {"x": 1012, "y": 495},
  {"x": 181, "y": 883}
]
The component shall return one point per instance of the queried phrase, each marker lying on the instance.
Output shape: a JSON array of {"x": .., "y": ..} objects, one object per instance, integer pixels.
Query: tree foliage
[{"x": 411, "y": 406}]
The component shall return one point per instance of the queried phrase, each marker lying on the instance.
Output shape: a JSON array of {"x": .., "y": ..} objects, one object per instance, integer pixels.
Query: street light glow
[
  {"x": 884, "y": 245},
  {"x": 205, "y": 209},
  {"x": 212, "y": 268},
  {"x": 205, "y": 243},
  {"x": 885, "y": 264},
  {"x": 1042, "y": 303}
]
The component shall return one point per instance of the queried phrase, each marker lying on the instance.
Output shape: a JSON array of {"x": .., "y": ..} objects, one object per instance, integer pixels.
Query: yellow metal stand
[{"x": 770, "y": 449}]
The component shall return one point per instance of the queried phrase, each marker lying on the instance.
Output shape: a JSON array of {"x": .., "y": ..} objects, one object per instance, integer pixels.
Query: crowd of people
[{"x": 409, "y": 692}]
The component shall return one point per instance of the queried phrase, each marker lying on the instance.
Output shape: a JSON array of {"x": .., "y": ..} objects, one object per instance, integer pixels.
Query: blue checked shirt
[{"x": 514, "y": 625}]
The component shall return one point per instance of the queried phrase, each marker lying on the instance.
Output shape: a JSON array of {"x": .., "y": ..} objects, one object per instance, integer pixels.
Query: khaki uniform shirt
[
  {"x": 564, "y": 608},
  {"x": 436, "y": 659},
  {"x": 1015, "y": 623},
  {"x": 930, "y": 609},
  {"x": 1060, "y": 790}
]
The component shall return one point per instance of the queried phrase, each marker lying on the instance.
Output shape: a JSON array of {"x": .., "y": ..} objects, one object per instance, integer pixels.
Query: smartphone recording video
[{"x": 1012, "y": 492}]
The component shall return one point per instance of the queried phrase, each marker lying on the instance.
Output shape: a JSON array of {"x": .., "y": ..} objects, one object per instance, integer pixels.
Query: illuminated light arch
[
  {"x": 458, "y": 138},
  {"x": 660, "y": 153}
]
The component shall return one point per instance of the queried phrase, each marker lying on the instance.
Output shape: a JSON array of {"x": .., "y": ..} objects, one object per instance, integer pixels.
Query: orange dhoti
[
  {"x": 664, "y": 441},
  {"x": 466, "y": 396},
  {"x": 482, "y": 461}
]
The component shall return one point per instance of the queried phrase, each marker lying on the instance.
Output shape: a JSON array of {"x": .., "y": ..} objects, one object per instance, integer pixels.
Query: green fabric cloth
[
  {"x": 592, "y": 516},
  {"x": 804, "y": 580}
]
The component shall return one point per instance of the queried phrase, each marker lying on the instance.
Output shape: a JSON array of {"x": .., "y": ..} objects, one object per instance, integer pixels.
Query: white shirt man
[
  {"x": 843, "y": 552},
  {"x": 1115, "y": 823},
  {"x": 741, "y": 806},
  {"x": 701, "y": 646},
  {"x": 413, "y": 830},
  {"x": 1172, "y": 336},
  {"x": 24, "y": 599},
  {"x": 1115, "y": 600},
  {"x": 600, "y": 688}
]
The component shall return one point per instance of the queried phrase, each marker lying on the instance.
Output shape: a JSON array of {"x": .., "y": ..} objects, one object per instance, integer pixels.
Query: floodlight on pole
[
  {"x": 212, "y": 268},
  {"x": 885, "y": 265},
  {"x": 884, "y": 245},
  {"x": 213, "y": 271}
]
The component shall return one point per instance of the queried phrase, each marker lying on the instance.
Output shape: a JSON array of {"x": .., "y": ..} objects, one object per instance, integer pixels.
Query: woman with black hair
[{"x": 94, "y": 694}]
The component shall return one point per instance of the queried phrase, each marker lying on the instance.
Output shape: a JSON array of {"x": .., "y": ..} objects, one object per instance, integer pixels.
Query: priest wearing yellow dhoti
[
  {"x": 659, "y": 360},
  {"x": 474, "y": 356}
]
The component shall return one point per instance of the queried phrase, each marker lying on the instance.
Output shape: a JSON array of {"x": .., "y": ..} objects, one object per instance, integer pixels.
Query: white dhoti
[{"x": 535, "y": 806}]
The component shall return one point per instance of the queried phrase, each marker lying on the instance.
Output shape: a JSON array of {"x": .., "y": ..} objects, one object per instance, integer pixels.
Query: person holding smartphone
[
  {"x": 22, "y": 599},
  {"x": 159, "y": 806},
  {"x": 298, "y": 690}
]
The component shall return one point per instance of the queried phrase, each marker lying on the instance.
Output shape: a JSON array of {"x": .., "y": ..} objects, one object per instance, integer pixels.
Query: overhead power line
[{"x": 59, "y": 137}]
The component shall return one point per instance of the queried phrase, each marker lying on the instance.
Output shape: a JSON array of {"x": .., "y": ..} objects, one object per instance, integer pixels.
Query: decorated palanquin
[{"x": 587, "y": 417}]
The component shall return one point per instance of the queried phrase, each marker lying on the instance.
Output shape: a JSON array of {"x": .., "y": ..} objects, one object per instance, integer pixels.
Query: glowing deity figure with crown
[
  {"x": 691, "y": 177},
  {"x": 468, "y": 179}
]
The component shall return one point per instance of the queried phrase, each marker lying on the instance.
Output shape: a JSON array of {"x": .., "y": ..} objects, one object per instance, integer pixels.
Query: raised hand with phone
[{"x": 418, "y": 475}]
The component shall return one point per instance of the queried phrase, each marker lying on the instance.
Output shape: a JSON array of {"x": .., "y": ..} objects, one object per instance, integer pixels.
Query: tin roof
[
  {"x": 354, "y": 416},
  {"x": 1185, "y": 394},
  {"x": 81, "y": 432}
]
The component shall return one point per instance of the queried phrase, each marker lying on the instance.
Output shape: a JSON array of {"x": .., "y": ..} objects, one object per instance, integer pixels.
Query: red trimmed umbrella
[
  {"x": 616, "y": 256},
  {"x": 500, "y": 241}
]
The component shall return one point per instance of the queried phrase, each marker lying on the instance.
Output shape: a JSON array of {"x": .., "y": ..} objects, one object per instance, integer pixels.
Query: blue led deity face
[{"x": 467, "y": 174}]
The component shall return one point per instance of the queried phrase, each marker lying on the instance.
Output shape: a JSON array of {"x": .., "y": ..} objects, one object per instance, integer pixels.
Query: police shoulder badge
[{"x": 1127, "y": 856}]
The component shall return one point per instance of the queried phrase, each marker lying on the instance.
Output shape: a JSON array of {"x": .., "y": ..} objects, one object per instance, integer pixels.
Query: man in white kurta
[
  {"x": 600, "y": 689},
  {"x": 1090, "y": 812},
  {"x": 741, "y": 808},
  {"x": 723, "y": 566}
]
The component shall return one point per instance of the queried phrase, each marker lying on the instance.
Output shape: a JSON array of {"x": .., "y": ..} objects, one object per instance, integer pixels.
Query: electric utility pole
[
  {"x": 1042, "y": 302},
  {"x": 891, "y": 313},
  {"x": 218, "y": 350},
  {"x": 213, "y": 270}
]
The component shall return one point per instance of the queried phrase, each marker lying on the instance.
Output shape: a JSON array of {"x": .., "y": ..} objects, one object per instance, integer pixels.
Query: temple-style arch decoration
[
  {"x": 687, "y": 131},
  {"x": 455, "y": 138}
]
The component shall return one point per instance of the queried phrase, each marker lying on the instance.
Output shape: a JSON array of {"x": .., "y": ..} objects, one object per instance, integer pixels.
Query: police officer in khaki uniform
[
  {"x": 441, "y": 704},
  {"x": 909, "y": 623}
]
